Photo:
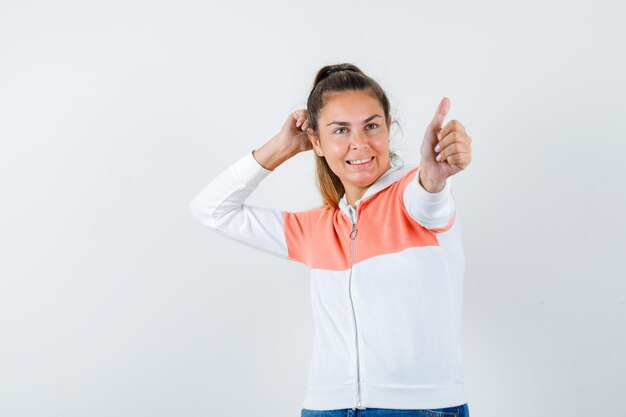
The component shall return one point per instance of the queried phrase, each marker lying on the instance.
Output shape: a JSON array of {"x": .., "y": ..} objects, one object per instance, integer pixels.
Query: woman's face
[{"x": 351, "y": 128}]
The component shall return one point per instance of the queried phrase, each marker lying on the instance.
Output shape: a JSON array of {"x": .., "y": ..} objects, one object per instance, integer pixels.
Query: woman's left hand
[{"x": 454, "y": 150}]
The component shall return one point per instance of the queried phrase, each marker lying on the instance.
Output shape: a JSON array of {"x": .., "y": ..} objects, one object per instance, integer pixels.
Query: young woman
[{"x": 384, "y": 250}]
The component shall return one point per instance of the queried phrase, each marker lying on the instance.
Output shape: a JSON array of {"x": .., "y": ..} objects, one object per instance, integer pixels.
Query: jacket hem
[{"x": 409, "y": 397}]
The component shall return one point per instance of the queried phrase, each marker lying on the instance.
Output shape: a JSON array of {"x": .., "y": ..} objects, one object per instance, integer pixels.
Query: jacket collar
[{"x": 393, "y": 174}]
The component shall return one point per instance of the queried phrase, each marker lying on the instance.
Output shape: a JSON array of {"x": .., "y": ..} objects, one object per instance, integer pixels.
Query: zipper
[{"x": 353, "y": 234}]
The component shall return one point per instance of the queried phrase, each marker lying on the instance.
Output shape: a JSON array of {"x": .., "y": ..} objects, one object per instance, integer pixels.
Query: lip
[{"x": 361, "y": 166}]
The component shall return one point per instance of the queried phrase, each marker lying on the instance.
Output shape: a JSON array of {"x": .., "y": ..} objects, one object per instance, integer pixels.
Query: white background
[{"x": 114, "y": 115}]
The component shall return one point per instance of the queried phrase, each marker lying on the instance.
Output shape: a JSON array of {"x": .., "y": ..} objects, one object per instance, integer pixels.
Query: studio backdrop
[{"x": 115, "y": 301}]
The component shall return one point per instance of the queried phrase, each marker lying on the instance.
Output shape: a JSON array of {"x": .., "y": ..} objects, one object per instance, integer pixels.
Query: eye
[{"x": 369, "y": 125}]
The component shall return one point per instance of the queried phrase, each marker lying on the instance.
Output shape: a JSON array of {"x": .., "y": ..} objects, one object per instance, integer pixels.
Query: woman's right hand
[
  {"x": 293, "y": 133},
  {"x": 291, "y": 140}
]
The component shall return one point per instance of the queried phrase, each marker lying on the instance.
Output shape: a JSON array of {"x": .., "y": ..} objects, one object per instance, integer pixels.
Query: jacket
[{"x": 386, "y": 284}]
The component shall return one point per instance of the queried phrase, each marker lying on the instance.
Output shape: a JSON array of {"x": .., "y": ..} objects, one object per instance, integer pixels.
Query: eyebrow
[{"x": 348, "y": 124}]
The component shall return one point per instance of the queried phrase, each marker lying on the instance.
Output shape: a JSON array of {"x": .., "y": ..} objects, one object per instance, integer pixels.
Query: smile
[{"x": 360, "y": 161}]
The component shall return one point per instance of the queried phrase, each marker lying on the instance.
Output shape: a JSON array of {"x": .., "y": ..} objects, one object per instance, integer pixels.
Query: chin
[{"x": 363, "y": 179}]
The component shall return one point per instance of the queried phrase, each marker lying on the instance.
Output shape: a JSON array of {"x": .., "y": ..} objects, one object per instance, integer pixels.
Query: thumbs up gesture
[{"x": 444, "y": 151}]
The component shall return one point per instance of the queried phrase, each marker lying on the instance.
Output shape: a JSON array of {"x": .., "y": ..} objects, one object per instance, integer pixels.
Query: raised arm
[
  {"x": 444, "y": 152},
  {"x": 221, "y": 206}
]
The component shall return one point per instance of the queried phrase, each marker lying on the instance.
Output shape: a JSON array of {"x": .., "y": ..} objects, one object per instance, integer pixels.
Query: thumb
[{"x": 440, "y": 114}]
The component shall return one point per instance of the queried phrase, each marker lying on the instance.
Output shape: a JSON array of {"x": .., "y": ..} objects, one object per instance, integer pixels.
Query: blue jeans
[{"x": 458, "y": 411}]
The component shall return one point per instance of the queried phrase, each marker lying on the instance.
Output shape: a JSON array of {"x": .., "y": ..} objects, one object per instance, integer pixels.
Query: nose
[{"x": 358, "y": 140}]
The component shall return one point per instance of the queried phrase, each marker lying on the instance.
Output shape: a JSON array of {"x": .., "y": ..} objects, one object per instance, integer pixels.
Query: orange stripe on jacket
[{"x": 320, "y": 238}]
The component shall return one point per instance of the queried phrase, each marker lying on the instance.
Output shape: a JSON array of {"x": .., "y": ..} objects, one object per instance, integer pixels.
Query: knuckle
[{"x": 458, "y": 125}]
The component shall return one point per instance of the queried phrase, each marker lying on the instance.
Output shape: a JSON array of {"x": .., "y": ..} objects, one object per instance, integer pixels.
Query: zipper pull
[{"x": 352, "y": 217}]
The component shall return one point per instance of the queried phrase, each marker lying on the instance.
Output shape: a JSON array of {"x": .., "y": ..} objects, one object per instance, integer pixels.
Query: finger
[
  {"x": 298, "y": 114},
  {"x": 452, "y": 137},
  {"x": 451, "y": 126},
  {"x": 460, "y": 159},
  {"x": 440, "y": 114},
  {"x": 452, "y": 149}
]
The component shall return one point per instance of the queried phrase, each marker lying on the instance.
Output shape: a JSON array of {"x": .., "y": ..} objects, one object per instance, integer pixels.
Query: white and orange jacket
[{"x": 386, "y": 282}]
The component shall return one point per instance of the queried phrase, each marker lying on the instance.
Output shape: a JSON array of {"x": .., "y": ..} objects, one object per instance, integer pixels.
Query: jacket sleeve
[
  {"x": 220, "y": 206},
  {"x": 434, "y": 211}
]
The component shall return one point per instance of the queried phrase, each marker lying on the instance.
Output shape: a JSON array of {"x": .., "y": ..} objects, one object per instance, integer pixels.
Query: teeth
[{"x": 360, "y": 161}]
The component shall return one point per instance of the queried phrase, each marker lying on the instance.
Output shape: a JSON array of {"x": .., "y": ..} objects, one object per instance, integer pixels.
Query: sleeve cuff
[
  {"x": 428, "y": 196},
  {"x": 249, "y": 171}
]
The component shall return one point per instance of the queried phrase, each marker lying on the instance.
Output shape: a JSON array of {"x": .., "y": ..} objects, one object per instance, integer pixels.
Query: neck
[
  {"x": 354, "y": 198},
  {"x": 355, "y": 194}
]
